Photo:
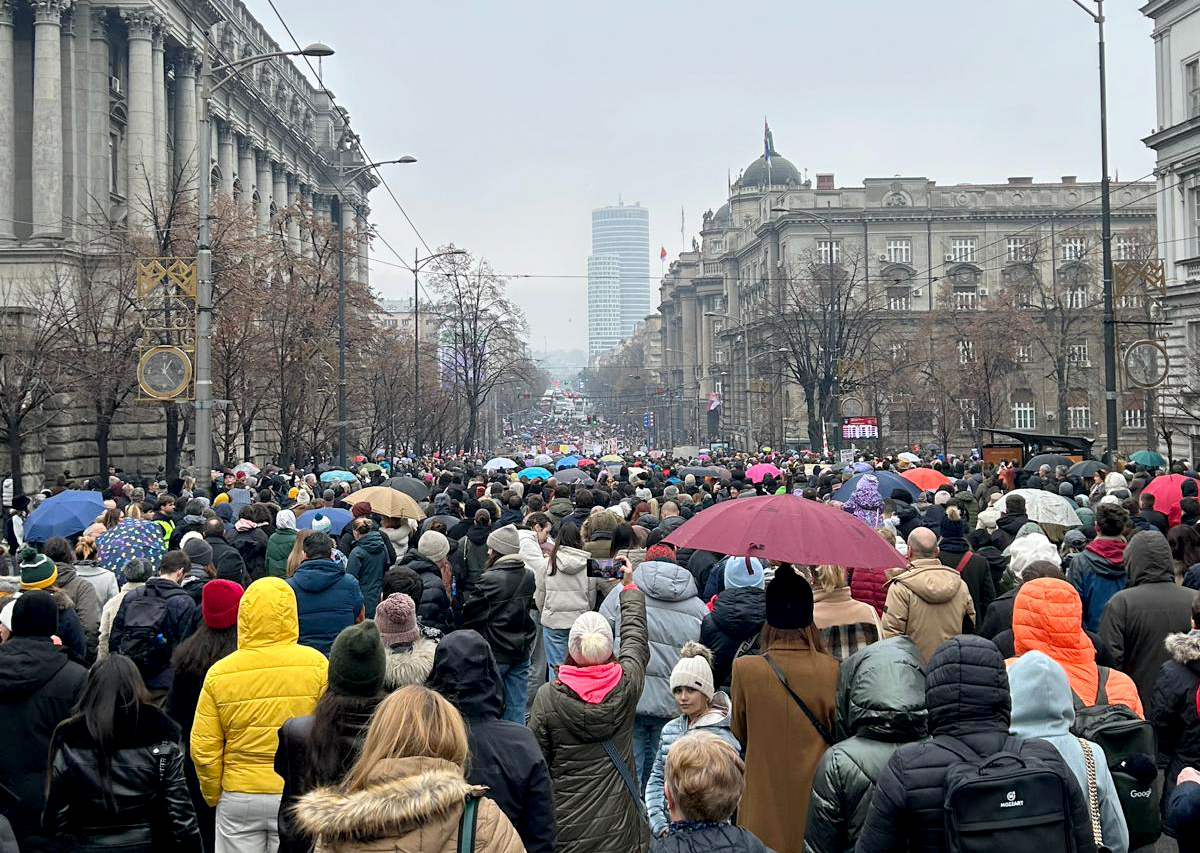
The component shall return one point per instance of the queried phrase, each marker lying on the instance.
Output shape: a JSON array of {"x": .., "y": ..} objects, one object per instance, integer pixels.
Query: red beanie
[
  {"x": 660, "y": 551},
  {"x": 219, "y": 602},
  {"x": 360, "y": 510}
]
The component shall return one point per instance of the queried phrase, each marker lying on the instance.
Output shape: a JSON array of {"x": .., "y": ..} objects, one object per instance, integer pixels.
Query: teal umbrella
[{"x": 1149, "y": 458}]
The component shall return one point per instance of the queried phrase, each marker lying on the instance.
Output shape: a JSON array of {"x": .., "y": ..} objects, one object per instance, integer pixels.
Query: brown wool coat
[{"x": 782, "y": 747}]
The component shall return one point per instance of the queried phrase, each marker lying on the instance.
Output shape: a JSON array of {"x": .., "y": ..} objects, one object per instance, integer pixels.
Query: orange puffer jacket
[{"x": 1048, "y": 617}]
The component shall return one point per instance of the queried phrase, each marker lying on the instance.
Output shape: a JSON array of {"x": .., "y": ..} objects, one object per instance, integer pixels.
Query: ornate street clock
[
  {"x": 1146, "y": 364},
  {"x": 164, "y": 372}
]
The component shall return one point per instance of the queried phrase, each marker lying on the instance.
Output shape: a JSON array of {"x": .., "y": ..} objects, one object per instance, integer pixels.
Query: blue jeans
[
  {"x": 555, "y": 641},
  {"x": 647, "y": 732},
  {"x": 515, "y": 677}
]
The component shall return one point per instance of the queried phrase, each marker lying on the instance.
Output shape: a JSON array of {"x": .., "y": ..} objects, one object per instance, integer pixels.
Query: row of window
[{"x": 963, "y": 250}]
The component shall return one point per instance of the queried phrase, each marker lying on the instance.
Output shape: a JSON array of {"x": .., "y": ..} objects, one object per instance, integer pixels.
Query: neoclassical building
[{"x": 100, "y": 117}]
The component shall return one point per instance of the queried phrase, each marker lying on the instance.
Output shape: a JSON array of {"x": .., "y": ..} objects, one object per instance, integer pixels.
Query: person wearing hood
[
  {"x": 200, "y": 568},
  {"x": 967, "y": 502},
  {"x": 226, "y": 558},
  {"x": 737, "y": 616},
  {"x": 983, "y": 544},
  {"x": 81, "y": 592},
  {"x": 866, "y": 504},
  {"x": 1174, "y": 710},
  {"x": 327, "y": 598},
  {"x": 674, "y": 615},
  {"x": 39, "y": 687},
  {"x": 1047, "y": 618},
  {"x": 504, "y": 756},
  {"x": 560, "y": 506},
  {"x": 955, "y": 551},
  {"x": 434, "y": 609},
  {"x": 472, "y": 553},
  {"x": 499, "y": 607},
  {"x": 279, "y": 543},
  {"x": 928, "y": 601},
  {"x": 906, "y": 515},
  {"x": 368, "y": 561},
  {"x": 1043, "y": 708},
  {"x": 192, "y": 519},
  {"x": 881, "y": 706},
  {"x": 1137, "y": 619},
  {"x": 967, "y": 694},
  {"x": 410, "y": 653},
  {"x": 583, "y": 722},
  {"x": 1009, "y": 525},
  {"x": 246, "y": 697},
  {"x": 1099, "y": 571},
  {"x": 701, "y": 708},
  {"x": 783, "y": 743}
]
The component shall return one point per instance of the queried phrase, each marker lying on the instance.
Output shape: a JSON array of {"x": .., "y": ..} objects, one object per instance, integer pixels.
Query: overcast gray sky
[{"x": 526, "y": 114}]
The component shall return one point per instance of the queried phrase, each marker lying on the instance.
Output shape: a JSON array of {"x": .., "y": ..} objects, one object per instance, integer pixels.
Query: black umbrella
[
  {"x": 411, "y": 486},
  {"x": 705, "y": 471},
  {"x": 573, "y": 475},
  {"x": 448, "y": 520},
  {"x": 1086, "y": 468},
  {"x": 1051, "y": 459}
]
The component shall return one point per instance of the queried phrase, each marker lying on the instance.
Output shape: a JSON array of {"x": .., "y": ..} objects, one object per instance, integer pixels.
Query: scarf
[{"x": 591, "y": 683}]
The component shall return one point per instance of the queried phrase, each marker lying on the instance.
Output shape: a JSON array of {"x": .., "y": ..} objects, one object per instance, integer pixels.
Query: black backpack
[
  {"x": 1129, "y": 747},
  {"x": 144, "y": 640},
  {"x": 1005, "y": 802}
]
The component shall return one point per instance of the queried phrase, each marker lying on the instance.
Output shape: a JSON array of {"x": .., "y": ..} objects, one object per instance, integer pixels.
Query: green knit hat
[
  {"x": 357, "y": 661},
  {"x": 37, "y": 570}
]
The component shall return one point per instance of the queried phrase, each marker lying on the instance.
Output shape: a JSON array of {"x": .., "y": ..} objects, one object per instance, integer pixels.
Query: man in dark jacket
[
  {"x": 1098, "y": 572},
  {"x": 39, "y": 685},
  {"x": 1011, "y": 521},
  {"x": 176, "y": 625},
  {"x": 560, "y": 507},
  {"x": 1137, "y": 619},
  {"x": 504, "y": 755},
  {"x": 584, "y": 501},
  {"x": 226, "y": 558},
  {"x": 907, "y": 517},
  {"x": 1152, "y": 518},
  {"x": 327, "y": 599},
  {"x": 954, "y": 551},
  {"x": 192, "y": 519},
  {"x": 966, "y": 692}
]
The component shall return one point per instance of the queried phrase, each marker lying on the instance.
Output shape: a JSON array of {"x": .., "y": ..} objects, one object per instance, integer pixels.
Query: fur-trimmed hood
[
  {"x": 1184, "y": 648},
  {"x": 411, "y": 666},
  {"x": 405, "y": 793}
]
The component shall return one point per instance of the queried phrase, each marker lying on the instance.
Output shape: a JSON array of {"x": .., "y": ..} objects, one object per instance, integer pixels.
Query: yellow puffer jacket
[{"x": 249, "y": 694}]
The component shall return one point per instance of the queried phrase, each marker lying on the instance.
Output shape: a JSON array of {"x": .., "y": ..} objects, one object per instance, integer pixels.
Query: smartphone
[{"x": 609, "y": 567}]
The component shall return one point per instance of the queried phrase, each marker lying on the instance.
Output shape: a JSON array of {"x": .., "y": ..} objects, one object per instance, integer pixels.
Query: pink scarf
[{"x": 592, "y": 683}]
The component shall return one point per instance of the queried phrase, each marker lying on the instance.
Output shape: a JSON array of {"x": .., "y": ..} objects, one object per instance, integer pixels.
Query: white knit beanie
[
  {"x": 693, "y": 672},
  {"x": 590, "y": 641}
]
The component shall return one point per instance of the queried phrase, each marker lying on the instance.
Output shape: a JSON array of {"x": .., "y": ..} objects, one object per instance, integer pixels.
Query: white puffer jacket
[{"x": 561, "y": 596}]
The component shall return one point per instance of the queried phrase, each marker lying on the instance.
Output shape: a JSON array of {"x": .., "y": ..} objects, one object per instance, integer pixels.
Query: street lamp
[
  {"x": 204, "y": 290},
  {"x": 1110, "y": 333},
  {"x": 419, "y": 264}
]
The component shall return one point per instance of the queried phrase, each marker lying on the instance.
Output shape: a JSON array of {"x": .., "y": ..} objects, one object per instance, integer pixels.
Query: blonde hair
[
  {"x": 830, "y": 577},
  {"x": 85, "y": 548},
  {"x": 134, "y": 510},
  {"x": 953, "y": 513},
  {"x": 296, "y": 557},
  {"x": 413, "y": 722},
  {"x": 705, "y": 776}
]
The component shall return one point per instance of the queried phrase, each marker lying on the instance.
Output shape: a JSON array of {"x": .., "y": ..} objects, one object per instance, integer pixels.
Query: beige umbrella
[{"x": 387, "y": 501}]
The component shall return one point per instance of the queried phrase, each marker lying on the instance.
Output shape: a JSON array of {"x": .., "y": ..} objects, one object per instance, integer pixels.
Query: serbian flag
[{"x": 662, "y": 256}]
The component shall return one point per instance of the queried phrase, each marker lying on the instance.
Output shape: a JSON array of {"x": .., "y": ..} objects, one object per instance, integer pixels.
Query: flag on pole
[
  {"x": 768, "y": 142},
  {"x": 662, "y": 256}
]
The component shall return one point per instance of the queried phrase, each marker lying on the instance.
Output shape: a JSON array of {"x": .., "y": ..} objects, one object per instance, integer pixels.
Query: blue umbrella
[
  {"x": 334, "y": 476},
  {"x": 888, "y": 481},
  {"x": 338, "y": 519},
  {"x": 64, "y": 514},
  {"x": 567, "y": 462},
  {"x": 131, "y": 538},
  {"x": 859, "y": 467},
  {"x": 535, "y": 471}
]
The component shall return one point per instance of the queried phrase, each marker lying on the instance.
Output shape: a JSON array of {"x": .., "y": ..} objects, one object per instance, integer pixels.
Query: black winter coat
[
  {"x": 504, "y": 755},
  {"x": 1172, "y": 709},
  {"x": 152, "y": 808},
  {"x": 39, "y": 686},
  {"x": 181, "y": 619},
  {"x": 499, "y": 609},
  {"x": 966, "y": 691},
  {"x": 252, "y": 546},
  {"x": 705, "y": 837},
  {"x": 737, "y": 615},
  {"x": 368, "y": 561},
  {"x": 433, "y": 610},
  {"x": 1007, "y": 528},
  {"x": 999, "y": 615},
  {"x": 228, "y": 561},
  {"x": 976, "y": 575}
]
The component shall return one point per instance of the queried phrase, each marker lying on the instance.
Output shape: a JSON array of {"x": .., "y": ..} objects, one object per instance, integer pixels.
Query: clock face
[
  {"x": 164, "y": 372},
  {"x": 1146, "y": 364}
]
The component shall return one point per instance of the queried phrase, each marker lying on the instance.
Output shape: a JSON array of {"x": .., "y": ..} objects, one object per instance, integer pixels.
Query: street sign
[
  {"x": 846, "y": 455},
  {"x": 648, "y": 420},
  {"x": 862, "y": 427}
]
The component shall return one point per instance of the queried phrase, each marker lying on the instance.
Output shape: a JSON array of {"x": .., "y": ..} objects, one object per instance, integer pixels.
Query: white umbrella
[
  {"x": 249, "y": 467},
  {"x": 911, "y": 457},
  {"x": 542, "y": 459},
  {"x": 1045, "y": 507},
  {"x": 499, "y": 464},
  {"x": 635, "y": 472}
]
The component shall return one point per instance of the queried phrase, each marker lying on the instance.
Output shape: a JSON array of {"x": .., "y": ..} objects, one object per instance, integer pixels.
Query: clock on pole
[
  {"x": 1146, "y": 364},
  {"x": 164, "y": 372}
]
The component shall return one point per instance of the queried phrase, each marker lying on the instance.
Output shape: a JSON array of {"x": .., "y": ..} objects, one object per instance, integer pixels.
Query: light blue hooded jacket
[{"x": 1042, "y": 708}]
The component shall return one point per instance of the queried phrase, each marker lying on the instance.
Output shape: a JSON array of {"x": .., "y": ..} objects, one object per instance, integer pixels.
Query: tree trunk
[
  {"x": 1151, "y": 438},
  {"x": 15, "y": 449},
  {"x": 247, "y": 435},
  {"x": 103, "y": 429},
  {"x": 171, "y": 413},
  {"x": 1062, "y": 389},
  {"x": 814, "y": 421}
]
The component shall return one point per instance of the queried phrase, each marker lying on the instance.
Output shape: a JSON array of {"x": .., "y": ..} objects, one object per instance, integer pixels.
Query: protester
[
  {"x": 564, "y": 589},
  {"x": 881, "y": 706},
  {"x": 954, "y": 551},
  {"x": 116, "y": 779},
  {"x": 200, "y": 569},
  {"x": 86, "y": 567},
  {"x": 583, "y": 722},
  {"x": 1099, "y": 572},
  {"x": 136, "y": 571},
  {"x": 246, "y": 697},
  {"x": 791, "y": 687},
  {"x": 327, "y": 598},
  {"x": 81, "y": 592},
  {"x": 406, "y": 791},
  {"x": 1175, "y": 707},
  {"x": 434, "y": 607},
  {"x": 368, "y": 562},
  {"x": 1181, "y": 819},
  {"x": 319, "y": 748},
  {"x": 866, "y": 503},
  {"x": 279, "y": 543},
  {"x": 846, "y": 625},
  {"x": 929, "y": 601},
  {"x": 1009, "y": 525},
  {"x": 250, "y": 539},
  {"x": 410, "y": 653},
  {"x": 39, "y": 687},
  {"x": 732, "y": 628},
  {"x": 504, "y": 757},
  {"x": 226, "y": 558}
]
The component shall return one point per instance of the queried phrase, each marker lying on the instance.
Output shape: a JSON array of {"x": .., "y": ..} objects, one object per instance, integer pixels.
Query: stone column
[
  {"x": 47, "y": 119},
  {"x": 263, "y": 185},
  {"x": 279, "y": 188},
  {"x": 158, "y": 72},
  {"x": 70, "y": 119},
  {"x": 225, "y": 157},
  {"x": 306, "y": 208},
  {"x": 8, "y": 154},
  {"x": 293, "y": 226},
  {"x": 139, "y": 133},
  {"x": 99, "y": 123},
  {"x": 188, "y": 167},
  {"x": 245, "y": 174}
]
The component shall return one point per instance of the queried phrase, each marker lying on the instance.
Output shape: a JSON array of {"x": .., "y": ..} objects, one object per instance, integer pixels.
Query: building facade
[
  {"x": 1176, "y": 143},
  {"x": 100, "y": 128},
  {"x": 618, "y": 274},
  {"x": 922, "y": 263}
]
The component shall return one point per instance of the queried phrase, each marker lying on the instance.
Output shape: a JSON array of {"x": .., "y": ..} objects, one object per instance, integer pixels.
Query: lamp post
[
  {"x": 1110, "y": 333},
  {"x": 418, "y": 265},
  {"x": 758, "y": 355},
  {"x": 204, "y": 289}
]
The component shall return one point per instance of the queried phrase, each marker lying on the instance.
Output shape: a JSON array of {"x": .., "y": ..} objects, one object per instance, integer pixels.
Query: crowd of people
[{"x": 535, "y": 666}]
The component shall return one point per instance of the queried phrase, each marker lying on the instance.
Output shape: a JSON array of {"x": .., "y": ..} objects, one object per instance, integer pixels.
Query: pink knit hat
[{"x": 396, "y": 617}]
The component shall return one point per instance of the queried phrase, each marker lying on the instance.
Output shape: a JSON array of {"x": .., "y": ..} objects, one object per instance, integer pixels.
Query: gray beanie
[{"x": 504, "y": 540}]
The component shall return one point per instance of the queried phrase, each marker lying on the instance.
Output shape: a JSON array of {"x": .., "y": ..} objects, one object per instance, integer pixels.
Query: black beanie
[
  {"x": 35, "y": 614},
  {"x": 899, "y": 494},
  {"x": 357, "y": 661},
  {"x": 789, "y": 600}
]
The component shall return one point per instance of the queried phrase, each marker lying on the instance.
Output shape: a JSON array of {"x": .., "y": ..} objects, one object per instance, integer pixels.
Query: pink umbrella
[
  {"x": 758, "y": 472},
  {"x": 789, "y": 529},
  {"x": 1168, "y": 492}
]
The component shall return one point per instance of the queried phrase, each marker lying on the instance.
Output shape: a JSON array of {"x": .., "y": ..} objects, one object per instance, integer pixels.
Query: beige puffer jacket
[{"x": 927, "y": 603}]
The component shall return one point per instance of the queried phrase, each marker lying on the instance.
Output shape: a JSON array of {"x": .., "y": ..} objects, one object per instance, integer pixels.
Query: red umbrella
[
  {"x": 583, "y": 462},
  {"x": 1167, "y": 491},
  {"x": 925, "y": 478},
  {"x": 787, "y": 528},
  {"x": 758, "y": 473}
]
